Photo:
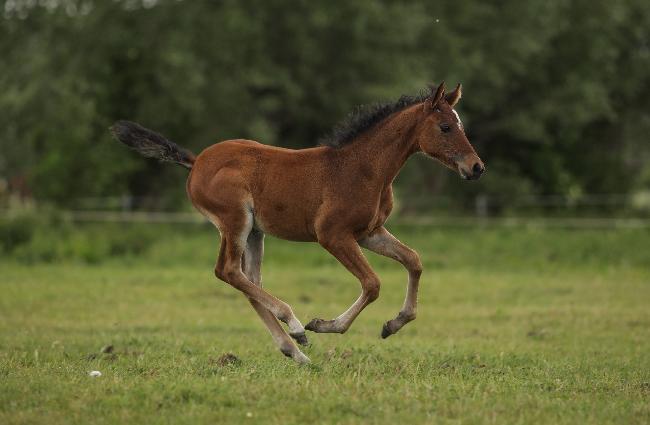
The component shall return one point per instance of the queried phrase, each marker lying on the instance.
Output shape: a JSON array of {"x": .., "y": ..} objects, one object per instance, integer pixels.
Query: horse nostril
[{"x": 477, "y": 169}]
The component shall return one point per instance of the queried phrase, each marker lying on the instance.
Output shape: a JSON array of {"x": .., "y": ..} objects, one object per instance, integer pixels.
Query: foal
[{"x": 338, "y": 195}]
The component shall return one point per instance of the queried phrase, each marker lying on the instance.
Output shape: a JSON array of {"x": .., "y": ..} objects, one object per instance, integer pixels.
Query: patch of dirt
[
  {"x": 108, "y": 352},
  {"x": 537, "y": 333},
  {"x": 226, "y": 359},
  {"x": 335, "y": 354},
  {"x": 107, "y": 349},
  {"x": 304, "y": 298}
]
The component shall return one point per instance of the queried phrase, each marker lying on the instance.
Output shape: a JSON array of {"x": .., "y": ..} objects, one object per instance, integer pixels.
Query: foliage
[
  {"x": 556, "y": 93},
  {"x": 32, "y": 239},
  {"x": 48, "y": 237}
]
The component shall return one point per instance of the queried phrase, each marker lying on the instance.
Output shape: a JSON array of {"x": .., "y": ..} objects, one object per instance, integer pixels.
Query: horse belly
[
  {"x": 286, "y": 193},
  {"x": 285, "y": 225},
  {"x": 286, "y": 213}
]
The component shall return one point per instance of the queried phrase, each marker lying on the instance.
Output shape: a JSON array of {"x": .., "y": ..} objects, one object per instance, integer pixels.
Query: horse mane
[{"x": 364, "y": 117}]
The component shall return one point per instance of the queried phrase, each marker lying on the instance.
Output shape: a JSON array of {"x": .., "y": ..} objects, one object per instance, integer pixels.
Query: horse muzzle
[{"x": 471, "y": 168}]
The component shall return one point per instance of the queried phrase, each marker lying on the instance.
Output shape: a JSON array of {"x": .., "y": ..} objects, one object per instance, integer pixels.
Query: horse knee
[
  {"x": 413, "y": 264},
  {"x": 371, "y": 288}
]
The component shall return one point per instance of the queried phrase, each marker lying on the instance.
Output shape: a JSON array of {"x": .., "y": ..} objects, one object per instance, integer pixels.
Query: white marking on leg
[
  {"x": 295, "y": 327},
  {"x": 342, "y": 322}
]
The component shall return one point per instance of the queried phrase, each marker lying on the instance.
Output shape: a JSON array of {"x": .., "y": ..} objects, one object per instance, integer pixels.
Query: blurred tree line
[{"x": 556, "y": 93}]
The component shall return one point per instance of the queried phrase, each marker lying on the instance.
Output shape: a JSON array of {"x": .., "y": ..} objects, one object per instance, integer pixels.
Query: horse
[{"x": 338, "y": 194}]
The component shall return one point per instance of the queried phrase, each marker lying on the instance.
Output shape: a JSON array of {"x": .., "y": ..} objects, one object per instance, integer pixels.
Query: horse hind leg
[
  {"x": 234, "y": 234},
  {"x": 252, "y": 263}
]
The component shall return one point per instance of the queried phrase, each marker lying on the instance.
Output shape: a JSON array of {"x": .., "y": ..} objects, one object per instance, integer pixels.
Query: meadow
[{"x": 518, "y": 325}]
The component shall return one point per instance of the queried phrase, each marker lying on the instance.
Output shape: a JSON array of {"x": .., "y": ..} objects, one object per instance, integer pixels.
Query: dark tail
[{"x": 151, "y": 144}]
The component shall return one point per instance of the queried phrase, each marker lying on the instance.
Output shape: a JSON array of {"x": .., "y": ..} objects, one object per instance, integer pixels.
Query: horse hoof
[
  {"x": 300, "y": 358},
  {"x": 300, "y": 338},
  {"x": 295, "y": 354},
  {"x": 325, "y": 326},
  {"x": 314, "y": 325},
  {"x": 385, "y": 332}
]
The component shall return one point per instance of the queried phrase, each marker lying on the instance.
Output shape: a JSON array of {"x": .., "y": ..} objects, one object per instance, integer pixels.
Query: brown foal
[{"x": 338, "y": 195}]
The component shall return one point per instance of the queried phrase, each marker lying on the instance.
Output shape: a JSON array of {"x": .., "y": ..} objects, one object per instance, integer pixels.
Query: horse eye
[{"x": 445, "y": 128}]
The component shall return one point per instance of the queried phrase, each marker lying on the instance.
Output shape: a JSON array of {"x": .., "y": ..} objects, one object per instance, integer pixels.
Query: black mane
[{"x": 364, "y": 117}]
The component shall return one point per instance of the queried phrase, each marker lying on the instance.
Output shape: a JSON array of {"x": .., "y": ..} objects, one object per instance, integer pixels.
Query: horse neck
[{"x": 386, "y": 147}]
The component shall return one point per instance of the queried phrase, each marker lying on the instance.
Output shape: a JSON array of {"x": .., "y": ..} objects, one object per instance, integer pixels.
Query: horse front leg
[
  {"x": 347, "y": 251},
  {"x": 383, "y": 243}
]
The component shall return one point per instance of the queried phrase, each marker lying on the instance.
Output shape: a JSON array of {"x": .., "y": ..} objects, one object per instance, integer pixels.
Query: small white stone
[
  {"x": 249, "y": 415},
  {"x": 95, "y": 373}
]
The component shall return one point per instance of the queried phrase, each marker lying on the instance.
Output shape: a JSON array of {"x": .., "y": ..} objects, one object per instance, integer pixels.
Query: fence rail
[
  {"x": 530, "y": 222},
  {"x": 136, "y": 216},
  {"x": 639, "y": 201},
  {"x": 535, "y": 222},
  {"x": 584, "y": 211}
]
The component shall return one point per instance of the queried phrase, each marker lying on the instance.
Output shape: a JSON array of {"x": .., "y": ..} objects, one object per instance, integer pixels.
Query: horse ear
[
  {"x": 435, "y": 97},
  {"x": 453, "y": 97}
]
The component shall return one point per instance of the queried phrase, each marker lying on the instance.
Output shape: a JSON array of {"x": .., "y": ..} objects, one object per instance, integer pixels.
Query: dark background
[{"x": 556, "y": 94}]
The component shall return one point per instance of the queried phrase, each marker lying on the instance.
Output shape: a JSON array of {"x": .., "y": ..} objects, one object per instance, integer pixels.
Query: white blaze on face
[{"x": 460, "y": 124}]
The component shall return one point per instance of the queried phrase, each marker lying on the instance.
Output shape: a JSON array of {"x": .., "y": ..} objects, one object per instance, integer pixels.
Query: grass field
[{"x": 517, "y": 325}]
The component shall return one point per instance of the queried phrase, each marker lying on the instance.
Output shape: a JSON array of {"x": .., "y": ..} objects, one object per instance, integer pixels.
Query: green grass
[{"x": 515, "y": 326}]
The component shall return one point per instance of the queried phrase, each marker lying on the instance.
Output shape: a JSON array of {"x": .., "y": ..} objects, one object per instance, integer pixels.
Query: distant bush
[
  {"x": 15, "y": 232},
  {"x": 47, "y": 236}
]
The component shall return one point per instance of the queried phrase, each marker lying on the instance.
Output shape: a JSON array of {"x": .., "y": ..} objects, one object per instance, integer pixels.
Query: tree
[{"x": 556, "y": 93}]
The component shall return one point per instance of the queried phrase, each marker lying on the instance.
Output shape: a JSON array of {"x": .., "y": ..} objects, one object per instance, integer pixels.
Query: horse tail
[{"x": 151, "y": 144}]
